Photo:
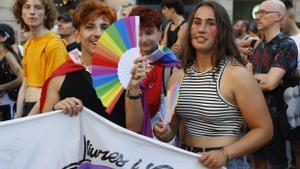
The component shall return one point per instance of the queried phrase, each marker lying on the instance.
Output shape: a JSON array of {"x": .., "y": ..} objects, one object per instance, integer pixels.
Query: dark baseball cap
[
  {"x": 8, "y": 32},
  {"x": 66, "y": 16}
]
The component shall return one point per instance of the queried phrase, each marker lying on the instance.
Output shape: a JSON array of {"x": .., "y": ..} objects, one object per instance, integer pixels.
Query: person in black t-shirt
[{"x": 70, "y": 92}]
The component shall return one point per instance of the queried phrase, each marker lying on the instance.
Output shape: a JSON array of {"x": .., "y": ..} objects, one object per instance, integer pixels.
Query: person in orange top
[{"x": 43, "y": 53}]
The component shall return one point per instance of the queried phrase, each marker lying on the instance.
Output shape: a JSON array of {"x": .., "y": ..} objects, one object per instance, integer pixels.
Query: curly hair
[
  {"x": 89, "y": 10},
  {"x": 50, "y": 12},
  {"x": 224, "y": 46},
  {"x": 149, "y": 17}
]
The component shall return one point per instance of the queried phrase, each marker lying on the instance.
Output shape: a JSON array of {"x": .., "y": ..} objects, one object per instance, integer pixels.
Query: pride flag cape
[{"x": 67, "y": 67}]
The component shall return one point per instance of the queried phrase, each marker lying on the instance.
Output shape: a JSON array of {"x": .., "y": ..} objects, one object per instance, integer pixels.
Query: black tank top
[
  {"x": 173, "y": 35},
  {"x": 5, "y": 75},
  {"x": 79, "y": 84}
]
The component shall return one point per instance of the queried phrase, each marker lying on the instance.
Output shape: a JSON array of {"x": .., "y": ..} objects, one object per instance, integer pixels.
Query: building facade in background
[{"x": 237, "y": 9}]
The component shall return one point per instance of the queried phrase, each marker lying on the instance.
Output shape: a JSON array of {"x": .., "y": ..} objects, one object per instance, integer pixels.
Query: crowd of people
[{"x": 239, "y": 89}]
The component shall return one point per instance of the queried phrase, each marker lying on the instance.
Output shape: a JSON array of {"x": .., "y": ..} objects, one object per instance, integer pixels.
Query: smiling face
[
  {"x": 149, "y": 39},
  {"x": 33, "y": 13},
  {"x": 204, "y": 30},
  {"x": 90, "y": 32}
]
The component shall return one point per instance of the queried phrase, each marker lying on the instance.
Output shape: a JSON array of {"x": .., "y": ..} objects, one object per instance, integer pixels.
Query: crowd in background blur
[{"x": 266, "y": 50}]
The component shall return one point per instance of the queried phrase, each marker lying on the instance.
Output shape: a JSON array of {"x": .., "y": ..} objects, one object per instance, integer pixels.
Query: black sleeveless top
[
  {"x": 173, "y": 35},
  {"x": 79, "y": 84},
  {"x": 5, "y": 75}
]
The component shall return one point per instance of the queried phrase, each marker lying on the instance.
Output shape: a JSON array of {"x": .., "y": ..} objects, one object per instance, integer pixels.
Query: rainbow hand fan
[
  {"x": 113, "y": 60},
  {"x": 167, "y": 108}
]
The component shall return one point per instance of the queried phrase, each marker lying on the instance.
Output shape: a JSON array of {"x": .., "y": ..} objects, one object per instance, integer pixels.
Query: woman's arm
[
  {"x": 71, "y": 105},
  {"x": 134, "y": 109},
  {"x": 52, "y": 94},
  {"x": 248, "y": 97},
  {"x": 250, "y": 100},
  {"x": 16, "y": 69}
]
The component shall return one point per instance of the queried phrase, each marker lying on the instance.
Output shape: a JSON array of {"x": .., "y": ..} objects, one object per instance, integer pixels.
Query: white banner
[{"x": 87, "y": 141}]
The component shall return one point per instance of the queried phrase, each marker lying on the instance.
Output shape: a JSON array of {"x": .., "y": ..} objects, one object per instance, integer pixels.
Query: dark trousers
[
  {"x": 27, "y": 108},
  {"x": 5, "y": 112},
  {"x": 274, "y": 151}
]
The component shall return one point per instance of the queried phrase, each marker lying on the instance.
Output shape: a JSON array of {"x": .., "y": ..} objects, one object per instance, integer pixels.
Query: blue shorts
[{"x": 238, "y": 163}]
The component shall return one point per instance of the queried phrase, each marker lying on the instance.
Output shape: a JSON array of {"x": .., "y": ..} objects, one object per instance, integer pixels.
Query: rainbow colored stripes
[{"x": 113, "y": 43}]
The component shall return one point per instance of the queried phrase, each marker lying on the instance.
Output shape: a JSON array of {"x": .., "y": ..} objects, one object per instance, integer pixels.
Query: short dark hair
[
  {"x": 66, "y": 16},
  {"x": 224, "y": 46},
  {"x": 176, "y": 4},
  {"x": 149, "y": 17},
  {"x": 8, "y": 31},
  {"x": 50, "y": 12}
]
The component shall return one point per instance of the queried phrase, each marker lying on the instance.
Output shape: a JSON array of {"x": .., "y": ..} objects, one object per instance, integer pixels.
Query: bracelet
[
  {"x": 134, "y": 97},
  {"x": 225, "y": 154}
]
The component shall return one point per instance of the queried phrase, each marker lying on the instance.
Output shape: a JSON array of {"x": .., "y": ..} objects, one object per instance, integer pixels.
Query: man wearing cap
[{"x": 66, "y": 31}]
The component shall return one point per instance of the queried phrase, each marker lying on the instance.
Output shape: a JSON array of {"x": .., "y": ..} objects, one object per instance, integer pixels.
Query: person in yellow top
[{"x": 43, "y": 53}]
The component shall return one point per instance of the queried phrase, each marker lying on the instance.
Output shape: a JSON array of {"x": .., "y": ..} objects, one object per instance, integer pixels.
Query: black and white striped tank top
[{"x": 207, "y": 113}]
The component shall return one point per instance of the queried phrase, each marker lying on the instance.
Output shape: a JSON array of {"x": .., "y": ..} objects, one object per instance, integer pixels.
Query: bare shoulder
[
  {"x": 10, "y": 58},
  {"x": 176, "y": 77},
  {"x": 238, "y": 75},
  {"x": 184, "y": 26},
  {"x": 167, "y": 26},
  {"x": 183, "y": 29}
]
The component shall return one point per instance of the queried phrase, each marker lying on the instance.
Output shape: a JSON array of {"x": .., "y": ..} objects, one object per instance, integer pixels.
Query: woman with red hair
[{"x": 155, "y": 83}]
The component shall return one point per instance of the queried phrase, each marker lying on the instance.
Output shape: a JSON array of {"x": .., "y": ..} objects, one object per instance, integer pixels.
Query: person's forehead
[
  {"x": 266, "y": 6},
  {"x": 205, "y": 12},
  {"x": 152, "y": 28},
  {"x": 64, "y": 20},
  {"x": 34, "y": 2},
  {"x": 99, "y": 20},
  {"x": 239, "y": 23}
]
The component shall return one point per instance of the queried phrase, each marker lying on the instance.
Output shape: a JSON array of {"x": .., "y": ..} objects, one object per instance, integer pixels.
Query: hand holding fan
[
  {"x": 113, "y": 60},
  {"x": 168, "y": 104}
]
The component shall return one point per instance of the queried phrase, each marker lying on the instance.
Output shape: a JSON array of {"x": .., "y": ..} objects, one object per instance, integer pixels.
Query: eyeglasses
[{"x": 263, "y": 13}]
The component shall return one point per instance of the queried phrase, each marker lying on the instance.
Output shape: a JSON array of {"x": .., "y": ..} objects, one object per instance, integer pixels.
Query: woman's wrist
[
  {"x": 133, "y": 93},
  {"x": 226, "y": 156}
]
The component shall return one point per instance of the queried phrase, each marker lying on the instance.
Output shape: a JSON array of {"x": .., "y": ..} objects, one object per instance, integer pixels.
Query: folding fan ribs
[
  {"x": 167, "y": 108},
  {"x": 113, "y": 60}
]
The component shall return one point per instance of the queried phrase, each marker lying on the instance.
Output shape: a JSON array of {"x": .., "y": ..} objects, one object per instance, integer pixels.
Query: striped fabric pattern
[{"x": 200, "y": 102}]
